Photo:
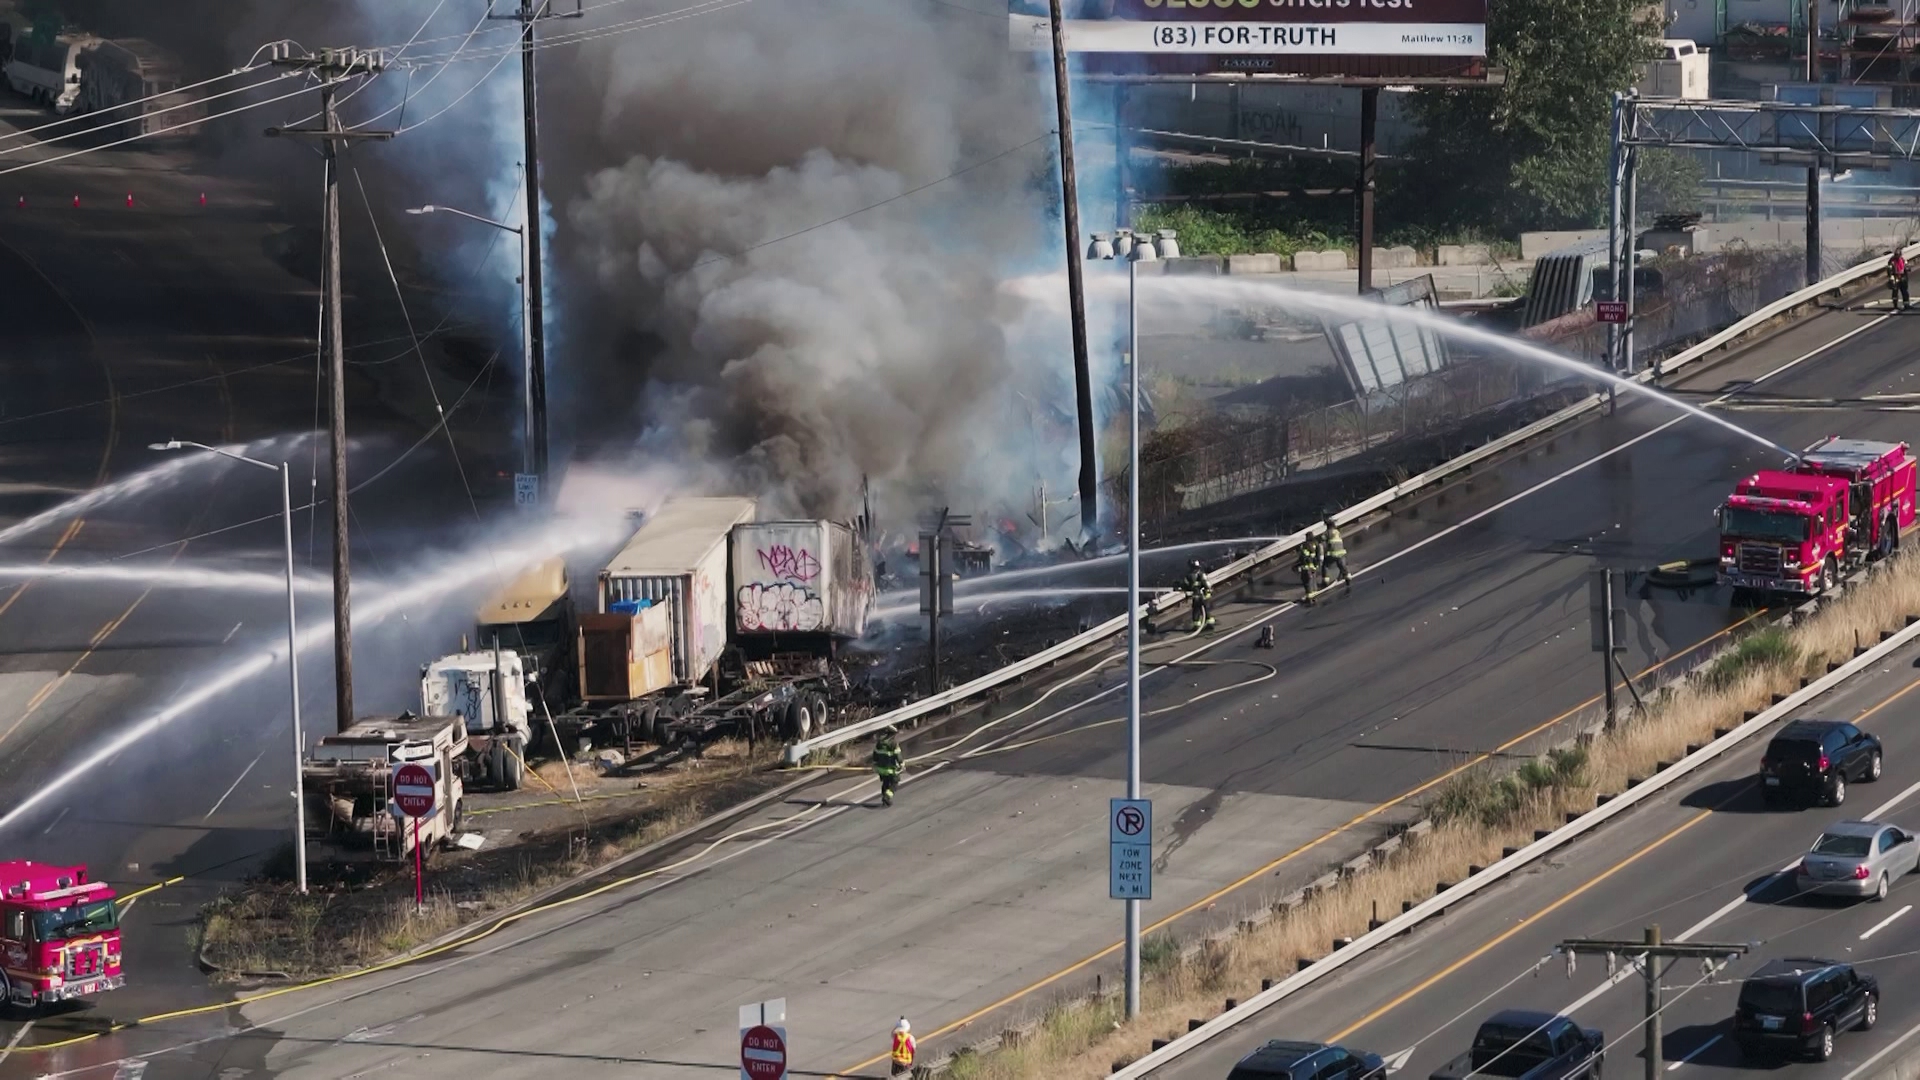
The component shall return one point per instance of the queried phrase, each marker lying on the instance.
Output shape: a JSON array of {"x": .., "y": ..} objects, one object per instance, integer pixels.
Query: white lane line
[
  {"x": 1888, "y": 1049},
  {"x": 1886, "y": 922},
  {"x": 57, "y": 818},
  {"x": 236, "y": 783},
  {"x": 130, "y": 1069},
  {"x": 15, "y": 1041},
  {"x": 1694, "y": 1053},
  {"x": 230, "y": 633}
]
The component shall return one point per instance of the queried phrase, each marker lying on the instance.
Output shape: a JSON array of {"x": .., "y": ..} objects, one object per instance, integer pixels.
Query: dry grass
[
  {"x": 352, "y": 922},
  {"x": 1477, "y": 814}
]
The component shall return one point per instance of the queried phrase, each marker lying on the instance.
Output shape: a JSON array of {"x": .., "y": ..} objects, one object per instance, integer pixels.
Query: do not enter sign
[
  {"x": 763, "y": 1053},
  {"x": 413, "y": 790}
]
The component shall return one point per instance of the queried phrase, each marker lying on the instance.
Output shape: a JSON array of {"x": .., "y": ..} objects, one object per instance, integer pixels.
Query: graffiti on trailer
[
  {"x": 790, "y": 563},
  {"x": 780, "y": 607}
]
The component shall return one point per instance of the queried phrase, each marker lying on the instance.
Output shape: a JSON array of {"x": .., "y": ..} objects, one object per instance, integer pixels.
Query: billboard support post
[{"x": 1363, "y": 191}]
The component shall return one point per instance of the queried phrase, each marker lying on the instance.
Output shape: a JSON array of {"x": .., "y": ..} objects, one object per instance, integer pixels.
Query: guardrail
[
  {"x": 797, "y": 752},
  {"x": 1546, "y": 845}
]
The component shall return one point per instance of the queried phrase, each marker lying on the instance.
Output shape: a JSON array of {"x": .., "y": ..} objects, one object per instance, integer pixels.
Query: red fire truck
[
  {"x": 1847, "y": 501},
  {"x": 59, "y": 934}
]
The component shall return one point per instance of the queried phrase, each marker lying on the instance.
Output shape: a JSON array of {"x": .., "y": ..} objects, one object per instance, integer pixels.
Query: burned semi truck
[{"x": 705, "y": 624}]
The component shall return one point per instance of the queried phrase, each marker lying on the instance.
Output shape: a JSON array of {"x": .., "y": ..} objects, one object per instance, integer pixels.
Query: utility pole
[
  {"x": 534, "y": 386},
  {"x": 333, "y": 67},
  {"x": 1813, "y": 170},
  {"x": 1076, "y": 298},
  {"x": 1364, "y": 190},
  {"x": 936, "y": 586},
  {"x": 1649, "y": 952},
  {"x": 1606, "y": 621}
]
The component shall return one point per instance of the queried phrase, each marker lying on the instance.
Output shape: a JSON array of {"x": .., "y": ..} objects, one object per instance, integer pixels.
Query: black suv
[
  {"x": 1796, "y": 1006},
  {"x": 1814, "y": 759},
  {"x": 1284, "y": 1059}
]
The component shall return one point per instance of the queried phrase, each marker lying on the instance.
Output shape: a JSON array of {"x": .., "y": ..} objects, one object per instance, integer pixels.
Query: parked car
[
  {"x": 1858, "y": 859},
  {"x": 1812, "y": 760},
  {"x": 1286, "y": 1059},
  {"x": 1521, "y": 1044},
  {"x": 1795, "y": 1006}
]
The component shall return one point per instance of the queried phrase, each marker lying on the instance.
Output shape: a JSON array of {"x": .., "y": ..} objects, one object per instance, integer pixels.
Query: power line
[
  {"x": 130, "y": 104},
  {"x": 645, "y": 22},
  {"x": 150, "y": 134}
]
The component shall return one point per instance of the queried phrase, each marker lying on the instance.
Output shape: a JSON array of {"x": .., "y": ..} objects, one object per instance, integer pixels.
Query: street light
[
  {"x": 293, "y": 656},
  {"x": 1136, "y": 250},
  {"x": 528, "y": 460}
]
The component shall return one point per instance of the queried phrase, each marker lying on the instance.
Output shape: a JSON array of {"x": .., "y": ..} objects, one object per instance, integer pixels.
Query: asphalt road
[
  {"x": 1704, "y": 863},
  {"x": 134, "y": 324},
  {"x": 1465, "y": 633}
]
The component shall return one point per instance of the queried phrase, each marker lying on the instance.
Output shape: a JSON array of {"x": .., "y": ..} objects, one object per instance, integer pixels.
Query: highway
[
  {"x": 983, "y": 891},
  {"x": 1704, "y": 863}
]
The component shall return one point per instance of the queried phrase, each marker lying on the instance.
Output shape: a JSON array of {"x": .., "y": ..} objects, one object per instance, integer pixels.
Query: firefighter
[
  {"x": 903, "y": 1048},
  {"x": 1333, "y": 555},
  {"x": 1306, "y": 563},
  {"x": 1200, "y": 594},
  {"x": 1897, "y": 281},
  {"x": 886, "y": 765}
]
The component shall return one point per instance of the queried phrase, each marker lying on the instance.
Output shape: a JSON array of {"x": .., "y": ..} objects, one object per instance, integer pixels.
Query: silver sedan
[{"x": 1857, "y": 858}]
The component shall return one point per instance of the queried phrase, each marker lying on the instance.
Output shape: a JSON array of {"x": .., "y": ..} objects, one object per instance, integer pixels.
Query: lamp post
[
  {"x": 293, "y": 654},
  {"x": 530, "y": 437},
  {"x": 1136, "y": 250}
]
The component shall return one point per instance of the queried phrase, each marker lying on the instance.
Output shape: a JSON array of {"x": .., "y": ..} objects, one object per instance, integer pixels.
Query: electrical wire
[
  {"x": 76, "y": 118},
  {"x": 645, "y": 22},
  {"x": 150, "y": 134}
]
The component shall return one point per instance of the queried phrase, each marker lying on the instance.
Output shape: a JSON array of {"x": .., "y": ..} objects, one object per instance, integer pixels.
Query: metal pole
[
  {"x": 933, "y": 615},
  {"x": 1369, "y": 117},
  {"x": 1122, "y": 160},
  {"x": 1632, "y": 156},
  {"x": 536, "y": 375},
  {"x": 293, "y": 685},
  {"x": 1606, "y": 631},
  {"x": 531, "y": 432},
  {"x": 1076, "y": 299},
  {"x": 337, "y": 426},
  {"x": 1654, "y": 1067},
  {"x": 1813, "y": 222},
  {"x": 1613, "y": 227},
  {"x": 1133, "y": 608}
]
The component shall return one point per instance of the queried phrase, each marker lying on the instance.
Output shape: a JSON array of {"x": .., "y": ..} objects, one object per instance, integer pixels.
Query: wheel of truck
[
  {"x": 1829, "y": 574},
  {"x": 497, "y": 762},
  {"x": 642, "y": 721},
  {"x": 822, "y": 719},
  {"x": 513, "y": 764},
  {"x": 798, "y": 720}
]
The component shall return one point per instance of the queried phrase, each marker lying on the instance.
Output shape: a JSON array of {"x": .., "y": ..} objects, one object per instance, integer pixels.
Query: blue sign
[{"x": 1130, "y": 849}]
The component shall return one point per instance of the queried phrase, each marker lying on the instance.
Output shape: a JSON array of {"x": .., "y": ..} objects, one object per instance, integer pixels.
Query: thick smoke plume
[{"x": 875, "y": 342}]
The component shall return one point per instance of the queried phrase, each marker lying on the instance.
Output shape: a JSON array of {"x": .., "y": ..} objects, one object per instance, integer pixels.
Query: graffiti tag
[
  {"x": 780, "y": 607},
  {"x": 790, "y": 563}
]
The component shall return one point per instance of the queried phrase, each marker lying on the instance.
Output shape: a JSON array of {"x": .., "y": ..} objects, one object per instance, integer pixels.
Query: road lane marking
[
  {"x": 1694, "y": 1053},
  {"x": 15, "y": 1041},
  {"x": 1624, "y": 973},
  {"x": 236, "y": 783},
  {"x": 57, "y": 819},
  {"x": 1886, "y": 922},
  {"x": 1888, "y": 1049}
]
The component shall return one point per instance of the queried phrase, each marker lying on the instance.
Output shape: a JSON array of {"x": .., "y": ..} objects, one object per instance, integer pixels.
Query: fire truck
[
  {"x": 59, "y": 932},
  {"x": 1846, "y": 501}
]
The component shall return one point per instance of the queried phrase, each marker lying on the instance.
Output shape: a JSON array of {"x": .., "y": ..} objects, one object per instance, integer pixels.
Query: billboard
[{"x": 1327, "y": 38}]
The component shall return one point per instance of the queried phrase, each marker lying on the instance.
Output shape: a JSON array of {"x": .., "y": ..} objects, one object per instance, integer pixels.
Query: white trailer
[
  {"x": 678, "y": 559},
  {"x": 114, "y": 74},
  {"x": 47, "y": 70}
]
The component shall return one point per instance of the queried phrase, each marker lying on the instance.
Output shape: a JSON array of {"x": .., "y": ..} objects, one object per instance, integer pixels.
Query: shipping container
[
  {"x": 624, "y": 657},
  {"x": 799, "y": 578},
  {"x": 678, "y": 559},
  {"x": 116, "y": 74}
]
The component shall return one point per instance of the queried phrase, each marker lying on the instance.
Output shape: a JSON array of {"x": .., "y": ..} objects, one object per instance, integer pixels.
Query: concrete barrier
[
  {"x": 1464, "y": 255},
  {"x": 1320, "y": 260},
  {"x": 1396, "y": 258},
  {"x": 1255, "y": 264},
  {"x": 1197, "y": 265}
]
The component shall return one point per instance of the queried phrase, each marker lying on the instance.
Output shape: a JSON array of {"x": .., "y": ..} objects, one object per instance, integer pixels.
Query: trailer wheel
[
  {"x": 642, "y": 719},
  {"x": 497, "y": 762},
  {"x": 513, "y": 765},
  {"x": 798, "y": 720},
  {"x": 822, "y": 718}
]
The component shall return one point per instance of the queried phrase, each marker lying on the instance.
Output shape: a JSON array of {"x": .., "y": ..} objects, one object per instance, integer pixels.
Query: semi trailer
[{"x": 705, "y": 624}]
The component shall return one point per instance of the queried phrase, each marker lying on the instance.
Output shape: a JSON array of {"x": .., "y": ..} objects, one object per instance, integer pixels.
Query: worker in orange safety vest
[{"x": 903, "y": 1047}]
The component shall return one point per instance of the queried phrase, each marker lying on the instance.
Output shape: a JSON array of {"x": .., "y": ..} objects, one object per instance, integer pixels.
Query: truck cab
[
  {"x": 1845, "y": 502},
  {"x": 59, "y": 934}
]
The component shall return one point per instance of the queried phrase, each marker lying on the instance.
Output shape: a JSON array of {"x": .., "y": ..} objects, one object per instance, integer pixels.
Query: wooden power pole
[
  {"x": 333, "y": 67},
  {"x": 1650, "y": 951},
  {"x": 1076, "y": 296}
]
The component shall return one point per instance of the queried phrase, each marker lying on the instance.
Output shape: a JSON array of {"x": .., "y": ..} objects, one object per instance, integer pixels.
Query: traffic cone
[
  {"x": 76, "y": 200},
  {"x": 203, "y": 199},
  {"x": 129, "y": 200}
]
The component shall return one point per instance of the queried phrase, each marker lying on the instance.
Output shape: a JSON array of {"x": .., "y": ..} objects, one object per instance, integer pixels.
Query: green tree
[
  {"x": 1533, "y": 152},
  {"x": 1669, "y": 182}
]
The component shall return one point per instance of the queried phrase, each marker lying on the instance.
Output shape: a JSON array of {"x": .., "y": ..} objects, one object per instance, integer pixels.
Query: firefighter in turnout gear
[
  {"x": 886, "y": 765},
  {"x": 1897, "y": 280},
  {"x": 1306, "y": 563},
  {"x": 1333, "y": 554},
  {"x": 903, "y": 1048},
  {"x": 1200, "y": 594}
]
